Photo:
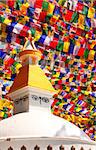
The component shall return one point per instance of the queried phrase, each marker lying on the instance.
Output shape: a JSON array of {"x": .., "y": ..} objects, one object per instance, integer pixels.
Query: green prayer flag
[
  {"x": 60, "y": 46},
  {"x": 5, "y": 116},
  {"x": 86, "y": 28},
  {"x": 75, "y": 17},
  {"x": 59, "y": 28},
  {"x": 47, "y": 19},
  {"x": 61, "y": 2},
  {"x": 85, "y": 10},
  {"x": 57, "y": 103},
  {"x": 45, "y": 5},
  {"x": 2, "y": 19},
  {"x": 33, "y": 31},
  {"x": 86, "y": 53}
]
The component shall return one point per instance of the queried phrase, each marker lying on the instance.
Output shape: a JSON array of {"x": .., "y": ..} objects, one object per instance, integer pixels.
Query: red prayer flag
[
  {"x": 11, "y": 3},
  {"x": 54, "y": 43},
  {"x": 81, "y": 51},
  {"x": 68, "y": 15},
  {"x": 38, "y": 4},
  {"x": 42, "y": 16},
  {"x": 79, "y": 7}
]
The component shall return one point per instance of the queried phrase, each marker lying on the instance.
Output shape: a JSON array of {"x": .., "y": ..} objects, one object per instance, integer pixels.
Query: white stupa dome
[{"x": 39, "y": 123}]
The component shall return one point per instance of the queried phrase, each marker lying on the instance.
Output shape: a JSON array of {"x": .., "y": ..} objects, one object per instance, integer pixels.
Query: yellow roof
[
  {"x": 37, "y": 78},
  {"x": 33, "y": 76}
]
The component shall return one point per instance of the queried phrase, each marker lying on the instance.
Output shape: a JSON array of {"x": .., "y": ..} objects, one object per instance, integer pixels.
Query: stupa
[{"x": 33, "y": 126}]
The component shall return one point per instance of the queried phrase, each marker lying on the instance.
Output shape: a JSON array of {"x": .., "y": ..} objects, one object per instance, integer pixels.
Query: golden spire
[
  {"x": 31, "y": 74},
  {"x": 30, "y": 54}
]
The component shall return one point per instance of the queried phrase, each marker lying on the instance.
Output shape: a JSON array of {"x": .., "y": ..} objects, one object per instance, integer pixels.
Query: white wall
[{"x": 16, "y": 145}]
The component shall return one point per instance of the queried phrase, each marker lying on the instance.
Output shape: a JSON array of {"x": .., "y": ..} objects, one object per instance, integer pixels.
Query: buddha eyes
[{"x": 39, "y": 98}]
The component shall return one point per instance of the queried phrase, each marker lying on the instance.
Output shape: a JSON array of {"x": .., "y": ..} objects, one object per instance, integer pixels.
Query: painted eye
[
  {"x": 34, "y": 97},
  {"x": 45, "y": 99}
]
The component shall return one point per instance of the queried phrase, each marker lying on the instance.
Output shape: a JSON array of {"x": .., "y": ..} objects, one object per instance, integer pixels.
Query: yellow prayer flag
[
  {"x": 70, "y": 79},
  {"x": 61, "y": 115},
  {"x": 57, "y": 74},
  {"x": 11, "y": 107},
  {"x": 27, "y": 5},
  {"x": 14, "y": 52},
  {"x": 67, "y": 89},
  {"x": 24, "y": 8},
  {"x": 1, "y": 104},
  {"x": 50, "y": 8},
  {"x": 81, "y": 21},
  {"x": 37, "y": 36},
  {"x": 18, "y": 66},
  {"x": 6, "y": 104},
  {"x": 78, "y": 109},
  {"x": 73, "y": 118},
  {"x": 8, "y": 88},
  {"x": 26, "y": 18},
  {"x": 93, "y": 44},
  {"x": 4, "y": 34},
  {"x": 66, "y": 46},
  {"x": 1, "y": 114},
  {"x": 71, "y": 61},
  {"x": 94, "y": 114},
  {"x": 91, "y": 55},
  {"x": 77, "y": 42},
  {"x": 61, "y": 104},
  {"x": 67, "y": 117},
  {"x": 93, "y": 101},
  {"x": 91, "y": 107},
  {"x": 60, "y": 2},
  {"x": 91, "y": 12},
  {"x": 7, "y": 21},
  {"x": 86, "y": 93},
  {"x": 7, "y": 10}
]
